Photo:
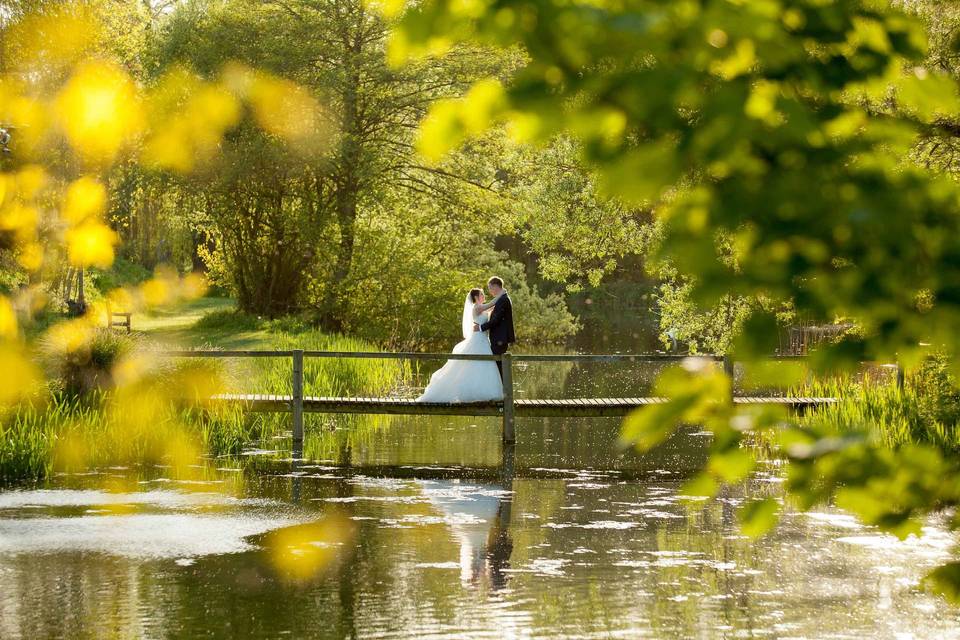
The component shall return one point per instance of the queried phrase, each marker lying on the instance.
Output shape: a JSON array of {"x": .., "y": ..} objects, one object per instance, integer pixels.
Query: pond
[{"x": 427, "y": 527}]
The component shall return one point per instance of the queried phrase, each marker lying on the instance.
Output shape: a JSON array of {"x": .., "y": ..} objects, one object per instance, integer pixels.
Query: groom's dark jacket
[{"x": 500, "y": 325}]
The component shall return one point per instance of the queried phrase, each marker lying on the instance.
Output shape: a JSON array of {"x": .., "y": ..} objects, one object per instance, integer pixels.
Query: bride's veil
[{"x": 467, "y": 318}]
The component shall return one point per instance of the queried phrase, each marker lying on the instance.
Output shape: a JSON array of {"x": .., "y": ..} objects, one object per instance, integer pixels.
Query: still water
[{"x": 415, "y": 527}]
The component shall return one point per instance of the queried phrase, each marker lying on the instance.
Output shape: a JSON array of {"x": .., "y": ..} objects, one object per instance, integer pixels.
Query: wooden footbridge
[{"x": 510, "y": 408}]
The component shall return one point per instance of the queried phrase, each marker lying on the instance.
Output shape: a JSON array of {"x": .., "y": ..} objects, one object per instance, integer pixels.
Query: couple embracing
[{"x": 487, "y": 330}]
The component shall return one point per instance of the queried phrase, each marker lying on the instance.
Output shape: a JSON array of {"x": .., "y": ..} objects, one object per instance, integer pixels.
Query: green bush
[
  {"x": 121, "y": 273},
  {"x": 937, "y": 391},
  {"x": 89, "y": 368},
  {"x": 228, "y": 320}
]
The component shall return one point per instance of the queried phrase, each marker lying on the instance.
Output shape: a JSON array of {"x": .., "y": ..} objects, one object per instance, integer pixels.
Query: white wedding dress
[{"x": 467, "y": 380}]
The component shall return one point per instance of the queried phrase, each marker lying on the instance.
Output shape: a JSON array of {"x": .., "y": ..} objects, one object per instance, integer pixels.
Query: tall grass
[
  {"x": 71, "y": 434},
  {"x": 324, "y": 377},
  {"x": 116, "y": 407},
  {"x": 926, "y": 410}
]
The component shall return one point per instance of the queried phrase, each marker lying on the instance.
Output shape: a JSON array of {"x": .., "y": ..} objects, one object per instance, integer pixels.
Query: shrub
[
  {"x": 121, "y": 273},
  {"x": 87, "y": 367},
  {"x": 227, "y": 321}
]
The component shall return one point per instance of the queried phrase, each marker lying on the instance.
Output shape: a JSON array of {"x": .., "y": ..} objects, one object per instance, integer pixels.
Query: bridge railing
[{"x": 507, "y": 359}]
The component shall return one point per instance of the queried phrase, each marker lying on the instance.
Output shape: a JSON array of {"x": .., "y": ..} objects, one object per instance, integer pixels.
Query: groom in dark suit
[{"x": 500, "y": 324}]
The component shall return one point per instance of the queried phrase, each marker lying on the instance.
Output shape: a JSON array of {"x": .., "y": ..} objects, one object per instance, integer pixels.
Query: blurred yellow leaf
[
  {"x": 449, "y": 122},
  {"x": 761, "y": 104},
  {"x": 86, "y": 198},
  {"x": 280, "y": 106},
  {"x": 70, "y": 336},
  {"x": 8, "y": 319},
  {"x": 30, "y": 256},
  {"x": 302, "y": 551},
  {"x": 99, "y": 110},
  {"x": 91, "y": 245},
  {"x": 54, "y": 38},
  {"x": 20, "y": 219},
  {"x": 120, "y": 299},
  {"x": 131, "y": 369},
  {"x": 30, "y": 180},
  {"x": 738, "y": 63},
  {"x": 387, "y": 8},
  {"x": 194, "y": 285},
  {"x": 20, "y": 375},
  {"x": 188, "y": 120},
  {"x": 482, "y": 104},
  {"x": 156, "y": 291}
]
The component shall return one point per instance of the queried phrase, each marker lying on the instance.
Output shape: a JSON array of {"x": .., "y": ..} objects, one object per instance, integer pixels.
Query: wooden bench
[{"x": 123, "y": 323}]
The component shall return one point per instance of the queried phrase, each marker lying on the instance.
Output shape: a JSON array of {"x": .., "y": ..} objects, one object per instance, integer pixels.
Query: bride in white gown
[{"x": 468, "y": 380}]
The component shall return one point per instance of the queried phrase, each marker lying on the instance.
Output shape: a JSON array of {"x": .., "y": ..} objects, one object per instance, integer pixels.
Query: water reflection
[
  {"x": 479, "y": 517},
  {"x": 450, "y": 535},
  {"x": 586, "y": 554}
]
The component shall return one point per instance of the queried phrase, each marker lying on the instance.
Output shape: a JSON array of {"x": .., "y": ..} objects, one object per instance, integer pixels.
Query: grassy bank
[{"x": 116, "y": 405}]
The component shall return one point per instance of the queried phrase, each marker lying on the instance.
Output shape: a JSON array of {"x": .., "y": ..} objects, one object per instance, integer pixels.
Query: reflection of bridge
[{"x": 296, "y": 403}]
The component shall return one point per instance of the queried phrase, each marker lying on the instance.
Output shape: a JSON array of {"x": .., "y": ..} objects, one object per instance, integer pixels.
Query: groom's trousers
[{"x": 497, "y": 351}]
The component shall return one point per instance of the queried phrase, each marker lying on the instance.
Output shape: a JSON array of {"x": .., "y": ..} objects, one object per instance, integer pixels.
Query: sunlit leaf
[
  {"x": 701, "y": 485},
  {"x": 945, "y": 581},
  {"x": 757, "y": 517},
  {"x": 733, "y": 465},
  {"x": 86, "y": 198},
  {"x": 91, "y": 244},
  {"x": 647, "y": 427},
  {"x": 302, "y": 552},
  {"x": 99, "y": 110}
]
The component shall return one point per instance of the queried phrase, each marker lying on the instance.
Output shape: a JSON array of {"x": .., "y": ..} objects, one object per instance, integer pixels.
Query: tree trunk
[{"x": 347, "y": 182}]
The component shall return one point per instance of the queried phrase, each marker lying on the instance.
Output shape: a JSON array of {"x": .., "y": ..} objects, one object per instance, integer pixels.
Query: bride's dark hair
[{"x": 475, "y": 294}]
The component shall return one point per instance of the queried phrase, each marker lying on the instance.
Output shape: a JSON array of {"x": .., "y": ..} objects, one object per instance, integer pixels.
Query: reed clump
[{"x": 925, "y": 410}]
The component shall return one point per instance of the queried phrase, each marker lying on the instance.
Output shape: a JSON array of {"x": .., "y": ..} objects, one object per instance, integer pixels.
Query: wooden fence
[{"x": 509, "y": 408}]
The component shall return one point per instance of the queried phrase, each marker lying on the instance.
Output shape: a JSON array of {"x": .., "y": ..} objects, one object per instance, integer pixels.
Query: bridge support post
[
  {"x": 297, "y": 399},
  {"x": 729, "y": 370},
  {"x": 508, "y": 431}
]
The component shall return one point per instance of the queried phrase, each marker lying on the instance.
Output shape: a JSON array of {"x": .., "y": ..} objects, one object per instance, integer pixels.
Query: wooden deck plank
[{"x": 585, "y": 407}]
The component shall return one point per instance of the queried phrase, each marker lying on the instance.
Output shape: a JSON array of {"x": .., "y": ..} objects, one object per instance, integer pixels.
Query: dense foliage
[
  {"x": 775, "y": 141},
  {"x": 772, "y": 156},
  {"x": 280, "y": 160}
]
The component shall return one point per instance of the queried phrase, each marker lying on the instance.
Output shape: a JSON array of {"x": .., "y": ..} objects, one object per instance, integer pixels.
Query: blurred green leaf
[
  {"x": 758, "y": 517},
  {"x": 647, "y": 427},
  {"x": 733, "y": 465},
  {"x": 759, "y": 336},
  {"x": 774, "y": 373},
  {"x": 701, "y": 486},
  {"x": 945, "y": 581}
]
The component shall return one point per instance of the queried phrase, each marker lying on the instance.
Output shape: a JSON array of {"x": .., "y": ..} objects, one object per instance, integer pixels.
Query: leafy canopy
[{"x": 773, "y": 140}]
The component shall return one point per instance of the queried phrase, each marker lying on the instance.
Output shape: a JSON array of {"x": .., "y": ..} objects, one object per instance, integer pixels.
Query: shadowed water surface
[{"x": 435, "y": 538}]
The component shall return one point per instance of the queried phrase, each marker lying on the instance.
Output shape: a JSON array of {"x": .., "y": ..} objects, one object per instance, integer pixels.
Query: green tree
[
  {"x": 368, "y": 115},
  {"x": 774, "y": 140}
]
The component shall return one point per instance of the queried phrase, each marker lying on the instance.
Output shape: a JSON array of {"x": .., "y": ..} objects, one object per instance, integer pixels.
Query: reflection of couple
[
  {"x": 479, "y": 517},
  {"x": 487, "y": 330}
]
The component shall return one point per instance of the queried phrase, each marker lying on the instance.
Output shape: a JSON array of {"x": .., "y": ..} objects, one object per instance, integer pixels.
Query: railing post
[
  {"x": 297, "y": 400},
  {"x": 508, "y": 431},
  {"x": 729, "y": 370}
]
